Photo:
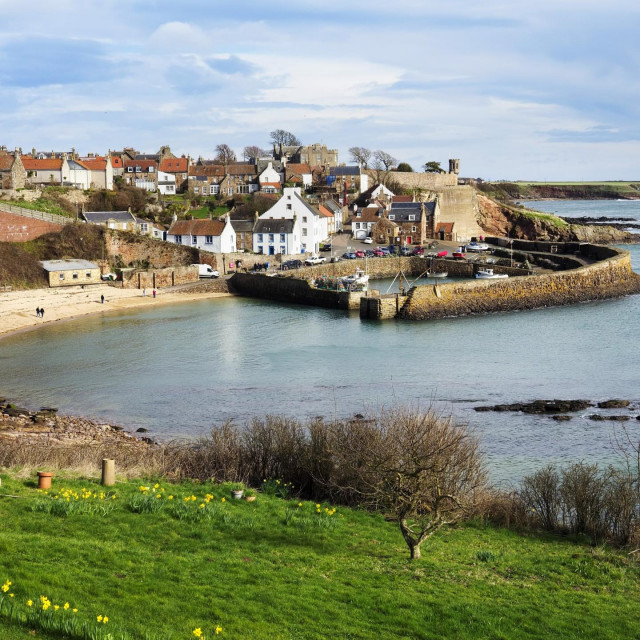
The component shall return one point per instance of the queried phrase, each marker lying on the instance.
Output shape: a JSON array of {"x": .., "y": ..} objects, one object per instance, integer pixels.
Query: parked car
[
  {"x": 441, "y": 254},
  {"x": 477, "y": 246},
  {"x": 458, "y": 255},
  {"x": 312, "y": 260},
  {"x": 368, "y": 240},
  {"x": 335, "y": 259},
  {"x": 359, "y": 254},
  {"x": 385, "y": 251},
  {"x": 378, "y": 252},
  {"x": 290, "y": 264},
  {"x": 349, "y": 255},
  {"x": 406, "y": 251},
  {"x": 392, "y": 249},
  {"x": 418, "y": 251},
  {"x": 369, "y": 254},
  {"x": 206, "y": 271},
  {"x": 326, "y": 247}
]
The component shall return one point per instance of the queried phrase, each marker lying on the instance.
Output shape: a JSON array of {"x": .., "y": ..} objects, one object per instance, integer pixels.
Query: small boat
[
  {"x": 436, "y": 274},
  {"x": 487, "y": 274},
  {"x": 360, "y": 277}
]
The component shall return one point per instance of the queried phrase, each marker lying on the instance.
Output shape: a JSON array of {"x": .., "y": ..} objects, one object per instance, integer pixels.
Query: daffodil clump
[
  {"x": 198, "y": 633},
  {"x": 66, "y": 502},
  {"x": 276, "y": 487},
  {"x": 306, "y": 515}
]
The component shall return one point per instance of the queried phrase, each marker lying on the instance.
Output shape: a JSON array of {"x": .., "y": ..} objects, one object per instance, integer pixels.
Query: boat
[
  {"x": 487, "y": 274},
  {"x": 360, "y": 277},
  {"x": 436, "y": 274}
]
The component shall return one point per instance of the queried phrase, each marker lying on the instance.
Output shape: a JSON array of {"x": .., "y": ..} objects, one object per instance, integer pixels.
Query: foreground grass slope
[{"x": 276, "y": 568}]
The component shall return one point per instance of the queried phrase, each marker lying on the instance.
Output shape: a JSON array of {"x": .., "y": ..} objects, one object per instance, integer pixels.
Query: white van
[{"x": 206, "y": 271}]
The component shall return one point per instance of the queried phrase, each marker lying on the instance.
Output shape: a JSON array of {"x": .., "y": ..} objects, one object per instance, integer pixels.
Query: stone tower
[{"x": 454, "y": 165}]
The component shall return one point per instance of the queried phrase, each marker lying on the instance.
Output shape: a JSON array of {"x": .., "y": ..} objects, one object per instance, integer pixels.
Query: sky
[{"x": 546, "y": 90}]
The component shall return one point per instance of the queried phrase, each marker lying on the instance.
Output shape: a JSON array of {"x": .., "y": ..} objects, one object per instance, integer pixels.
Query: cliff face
[{"x": 504, "y": 220}]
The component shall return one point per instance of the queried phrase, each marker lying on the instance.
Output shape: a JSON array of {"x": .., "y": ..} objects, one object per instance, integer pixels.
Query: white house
[
  {"x": 166, "y": 183},
  {"x": 276, "y": 236},
  {"x": 311, "y": 227},
  {"x": 270, "y": 180},
  {"x": 215, "y": 236}
]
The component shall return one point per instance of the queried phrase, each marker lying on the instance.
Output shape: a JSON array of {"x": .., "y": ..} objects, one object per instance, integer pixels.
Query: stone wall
[
  {"x": 134, "y": 249},
  {"x": 158, "y": 278},
  {"x": 418, "y": 181},
  {"x": 610, "y": 278},
  {"x": 20, "y": 229},
  {"x": 459, "y": 205}
]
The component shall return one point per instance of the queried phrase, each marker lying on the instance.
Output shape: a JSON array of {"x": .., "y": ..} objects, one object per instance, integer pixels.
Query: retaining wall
[
  {"x": 610, "y": 278},
  {"x": 158, "y": 278},
  {"x": 16, "y": 228}
]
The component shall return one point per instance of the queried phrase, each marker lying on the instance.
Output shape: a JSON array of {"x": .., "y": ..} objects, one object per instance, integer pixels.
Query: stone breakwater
[{"x": 608, "y": 278}]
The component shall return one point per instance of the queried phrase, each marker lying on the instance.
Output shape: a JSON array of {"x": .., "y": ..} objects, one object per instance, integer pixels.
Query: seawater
[{"x": 179, "y": 370}]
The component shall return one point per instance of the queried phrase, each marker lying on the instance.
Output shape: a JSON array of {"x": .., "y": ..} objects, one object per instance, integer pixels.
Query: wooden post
[{"x": 108, "y": 472}]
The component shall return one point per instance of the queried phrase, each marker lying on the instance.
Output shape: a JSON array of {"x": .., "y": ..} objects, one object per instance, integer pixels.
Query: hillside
[{"x": 568, "y": 191}]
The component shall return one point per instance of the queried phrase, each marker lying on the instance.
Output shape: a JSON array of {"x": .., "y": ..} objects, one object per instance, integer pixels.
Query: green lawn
[{"x": 277, "y": 568}]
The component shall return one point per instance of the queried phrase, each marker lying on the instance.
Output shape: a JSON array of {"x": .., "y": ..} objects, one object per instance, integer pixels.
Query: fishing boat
[
  {"x": 358, "y": 278},
  {"x": 436, "y": 274},
  {"x": 487, "y": 274}
]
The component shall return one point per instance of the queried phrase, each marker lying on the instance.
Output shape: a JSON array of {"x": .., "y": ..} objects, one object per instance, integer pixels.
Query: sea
[{"x": 181, "y": 370}]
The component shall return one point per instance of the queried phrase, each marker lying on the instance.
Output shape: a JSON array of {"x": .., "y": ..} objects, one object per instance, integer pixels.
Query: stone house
[
  {"x": 363, "y": 221},
  {"x": 120, "y": 220},
  {"x": 66, "y": 273},
  {"x": 299, "y": 175},
  {"x": 417, "y": 220},
  {"x": 178, "y": 168},
  {"x": 12, "y": 171},
  {"x": 141, "y": 173},
  {"x": 347, "y": 179},
  {"x": 215, "y": 236},
  {"x": 385, "y": 231},
  {"x": 244, "y": 234}
]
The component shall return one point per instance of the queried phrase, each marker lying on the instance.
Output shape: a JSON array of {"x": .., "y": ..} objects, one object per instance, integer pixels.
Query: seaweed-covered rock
[{"x": 614, "y": 404}]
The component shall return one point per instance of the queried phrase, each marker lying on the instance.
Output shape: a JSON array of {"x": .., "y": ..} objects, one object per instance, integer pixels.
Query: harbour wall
[{"x": 610, "y": 277}]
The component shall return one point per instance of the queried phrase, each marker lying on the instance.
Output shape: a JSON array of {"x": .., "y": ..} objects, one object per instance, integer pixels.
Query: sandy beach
[{"x": 18, "y": 308}]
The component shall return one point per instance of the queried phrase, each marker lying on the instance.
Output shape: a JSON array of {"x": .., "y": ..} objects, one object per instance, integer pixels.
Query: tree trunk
[{"x": 415, "y": 551}]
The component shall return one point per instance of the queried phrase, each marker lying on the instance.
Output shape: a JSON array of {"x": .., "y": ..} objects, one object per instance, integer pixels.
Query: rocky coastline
[{"x": 47, "y": 426}]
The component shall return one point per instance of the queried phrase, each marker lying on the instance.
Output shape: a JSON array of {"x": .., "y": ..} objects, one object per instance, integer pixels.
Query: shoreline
[{"x": 17, "y": 308}]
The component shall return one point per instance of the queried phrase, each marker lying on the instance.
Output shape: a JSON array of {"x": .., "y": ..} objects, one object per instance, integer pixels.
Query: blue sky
[{"x": 516, "y": 90}]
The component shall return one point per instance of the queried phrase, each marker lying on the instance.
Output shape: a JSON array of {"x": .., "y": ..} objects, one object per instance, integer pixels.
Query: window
[
  {"x": 282, "y": 237},
  {"x": 61, "y": 276},
  {"x": 208, "y": 239},
  {"x": 283, "y": 249},
  {"x": 194, "y": 239},
  {"x": 288, "y": 207},
  {"x": 304, "y": 231},
  {"x": 271, "y": 237},
  {"x": 259, "y": 237},
  {"x": 214, "y": 189},
  {"x": 144, "y": 227},
  {"x": 304, "y": 218},
  {"x": 196, "y": 189},
  {"x": 411, "y": 217},
  {"x": 413, "y": 229},
  {"x": 151, "y": 169},
  {"x": 243, "y": 188},
  {"x": 75, "y": 276},
  {"x": 130, "y": 169},
  {"x": 392, "y": 216}
]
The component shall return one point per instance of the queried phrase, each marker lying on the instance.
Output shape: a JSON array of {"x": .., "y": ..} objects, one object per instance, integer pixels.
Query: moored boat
[
  {"x": 487, "y": 274},
  {"x": 436, "y": 274},
  {"x": 360, "y": 277}
]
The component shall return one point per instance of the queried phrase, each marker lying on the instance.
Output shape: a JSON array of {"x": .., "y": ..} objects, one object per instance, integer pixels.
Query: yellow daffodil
[
  {"x": 99, "y": 618},
  {"x": 105, "y": 620},
  {"x": 56, "y": 607},
  {"x": 11, "y": 595},
  {"x": 170, "y": 498},
  {"x": 29, "y": 603},
  {"x": 66, "y": 606},
  {"x": 197, "y": 632},
  {"x": 218, "y": 630},
  {"x": 299, "y": 504},
  {"x": 74, "y": 610},
  {"x": 223, "y": 500}
]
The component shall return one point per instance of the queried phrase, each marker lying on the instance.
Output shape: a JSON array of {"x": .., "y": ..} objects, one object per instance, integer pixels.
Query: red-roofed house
[
  {"x": 44, "y": 170},
  {"x": 141, "y": 173},
  {"x": 215, "y": 236},
  {"x": 101, "y": 171},
  {"x": 299, "y": 174},
  {"x": 179, "y": 167},
  {"x": 444, "y": 231},
  {"x": 402, "y": 199},
  {"x": 117, "y": 165}
]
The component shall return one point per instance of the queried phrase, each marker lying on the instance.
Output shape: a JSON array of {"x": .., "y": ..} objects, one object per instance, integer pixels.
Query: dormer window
[
  {"x": 130, "y": 169},
  {"x": 411, "y": 217},
  {"x": 392, "y": 216},
  {"x": 152, "y": 169}
]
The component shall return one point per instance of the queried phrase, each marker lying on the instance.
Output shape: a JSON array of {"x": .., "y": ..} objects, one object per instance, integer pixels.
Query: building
[
  {"x": 12, "y": 171},
  {"x": 244, "y": 234},
  {"x": 363, "y": 221},
  {"x": 215, "y": 236},
  {"x": 276, "y": 236},
  {"x": 66, "y": 273},
  {"x": 311, "y": 227},
  {"x": 120, "y": 220}
]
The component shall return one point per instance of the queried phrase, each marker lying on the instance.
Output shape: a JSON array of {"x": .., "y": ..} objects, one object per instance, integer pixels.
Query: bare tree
[
  {"x": 225, "y": 154},
  {"x": 253, "y": 151},
  {"x": 360, "y": 155},
  {"x": 382, "y": 164},
  {"x": 423, "y": 470},
  {"x": 286, "y": 138}
]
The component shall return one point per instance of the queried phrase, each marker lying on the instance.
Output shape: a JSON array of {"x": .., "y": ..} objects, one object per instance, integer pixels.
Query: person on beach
[
  {"x": 102, "y": 299},
  {"x": 154, "y": 293},
  {"x": 37, "y": 312},
  {"x": 144, "y": 293},
  {"x": 42, "y": 312}
]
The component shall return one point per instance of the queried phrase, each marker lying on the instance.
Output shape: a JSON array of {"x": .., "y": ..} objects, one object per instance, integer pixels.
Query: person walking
[
  {"x": 154, "y": 293},
  {"x": 144, "y": 293},
  {"x": 102, "y": 298},
  {"x": 41, "y": 312},
  {"x": 37, "y": 312}
]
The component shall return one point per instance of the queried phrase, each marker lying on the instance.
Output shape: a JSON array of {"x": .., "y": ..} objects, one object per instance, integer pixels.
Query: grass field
[{"x": 285, "y": 569}]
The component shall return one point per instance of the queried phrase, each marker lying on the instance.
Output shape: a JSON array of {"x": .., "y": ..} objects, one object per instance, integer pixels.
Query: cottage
[
  {"x": 417, "y": 220},
  {"x": 120, "y": 220},
  {"x": 65, "y": 273},
  {"x": 363, "y": 220},
  {"x": 215, "y": 236},
  {"x": 12, "y": 172},
  {"x": 276, "y": 236}
]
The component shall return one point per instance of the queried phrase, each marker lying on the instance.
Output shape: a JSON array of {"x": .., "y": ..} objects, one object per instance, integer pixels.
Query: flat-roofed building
[{"x": 66, "y": 273}]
